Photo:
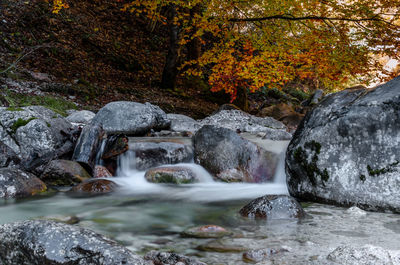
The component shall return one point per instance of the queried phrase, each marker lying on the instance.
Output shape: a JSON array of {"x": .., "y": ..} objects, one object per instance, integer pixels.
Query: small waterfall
[{"x": 99, "y": 154}]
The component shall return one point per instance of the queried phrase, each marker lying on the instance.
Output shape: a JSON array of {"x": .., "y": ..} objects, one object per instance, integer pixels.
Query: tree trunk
[
  {"x": 194, "y": 46},
  {"x": 170, "y": 69}
]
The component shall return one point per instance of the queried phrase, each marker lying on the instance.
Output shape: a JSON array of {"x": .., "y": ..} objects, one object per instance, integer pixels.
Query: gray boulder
[
  {"x": 152, "y": 154},
  {"x": 346, "y": 151},
  {"x": 231, "y": 158},
  {"x": 47, "y": 242},
  {"x": 81, "y": 117},
  {"x": 182, "y": 123},
  {"x": 15, "y": 183},
  {"x": 7, "y": 156},
  {"x": 240, "y": 121},
  {"x": 33, "y": 131},
  {"x": 131, "y": 118},
  {"x": 273, "y": 207}
]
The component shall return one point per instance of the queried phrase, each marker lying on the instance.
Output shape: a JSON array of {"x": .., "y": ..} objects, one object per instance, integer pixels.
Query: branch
[{"x": 289, "y": 17}]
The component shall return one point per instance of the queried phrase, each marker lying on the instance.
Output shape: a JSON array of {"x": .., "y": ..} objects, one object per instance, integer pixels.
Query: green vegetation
[
  {"x": 15, "y": 101},
  {"x": 19, "y": 123},
  {"x": 380, "y": 171}
]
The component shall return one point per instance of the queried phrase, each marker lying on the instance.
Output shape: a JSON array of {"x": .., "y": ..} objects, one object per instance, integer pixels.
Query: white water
[{"x": 207, "y": 190}]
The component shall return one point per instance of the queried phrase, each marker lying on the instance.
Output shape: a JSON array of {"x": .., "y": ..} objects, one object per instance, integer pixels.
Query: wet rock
[
  {"x": 95, "y": 186},
  {"x": 206, "y": 231},
  {"x": 115, "y": 145},
  {"x": 346, "y": 150},
  {"x": 231, "y": 158},
  {"x": 101, "y": 172},
  {"x": 240, "y": 121},
  {"x": 81, "y": 117},
  {"x": 88, "y": 146},
  {"x": 182, "y": 123},
  {"x": 7, "y": 156},
  {"x": 68, "y": 219},
  {"x": 261, "y": 254},
  {"x": 174, "y": 175},
  {"x": 356, "y": 212},
  {"x": 64, "y": 173},
  {"x": 368, "y": 254},
  {"x": 222, "y": 247},
  {"x": 15, "y": 183},
  {"x": 166, "y": 258},
  {"x": 33, "y": 131},
  {"x": 150, "y": 154},
  {"x": 131, "y": 118},
  {"x": 46, "y": 242},
  {"x": 273, "y": 207}
]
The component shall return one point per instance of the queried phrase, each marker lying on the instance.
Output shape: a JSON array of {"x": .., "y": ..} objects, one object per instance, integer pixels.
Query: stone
[
  {"x": 206, "y": 231},
  {"x": 166, "y": 258},
  {"x": 101, "y": 172},
  {"x": 7, "y": 156},
  {"x": 95, "y": 186},
  {"x": 81, "y": 117},
  {"x": 33, "y": 131},
  {"x": 368, "y": 254},
  {"x": 240, "y": 121},
  {"x": 231, "y": 158},
  {"x": 221, "y": 246},
  {"x": 115, "y": 145},
  {"x": 15, "y": 183},
  {"x": 64, "y": 173},
  {"x": 346, "y": 150},
  {"x": 153, "y": 154},
  {"x": 317, "y": 96},
  {"x": 131, "y": 118},
  {"x": 47, "y": 242},
  {"x": 259, "y": 255},
  {"x": 182, "y": 123},
  {"x": 88, "y": 146},
  {"x": 171, "y": 174},
  {"x": 272, "y": 207}
]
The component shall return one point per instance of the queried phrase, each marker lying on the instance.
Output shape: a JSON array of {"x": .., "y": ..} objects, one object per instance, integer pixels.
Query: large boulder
[
  {"x": 153, "y": 154},
  {"x": 47, "y": 242},
  {"x": 273, "y": 207},
  {"x": 346, "y": 151},
  {"x": 131, "y": 118},
  {"x": 240, "y": 121},
  {"x": 33, "y": 131},
  {"x": 182, "y": 123},
  {"x": 15, "y": 183},
  {"x": 64, "y": 173},
  {"x": 232, "y": 158}
]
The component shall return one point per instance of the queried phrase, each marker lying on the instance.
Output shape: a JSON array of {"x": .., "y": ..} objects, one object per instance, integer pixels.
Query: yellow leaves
[{"x": 58, "y": 5}]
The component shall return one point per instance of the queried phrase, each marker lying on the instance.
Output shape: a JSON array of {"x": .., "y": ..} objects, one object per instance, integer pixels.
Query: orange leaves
[{"x": 58, "y": 5}]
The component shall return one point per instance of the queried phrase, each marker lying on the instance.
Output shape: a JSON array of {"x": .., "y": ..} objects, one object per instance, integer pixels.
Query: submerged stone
[
  {"x": 46, "y": 242},
  {"x": 64, "y": 173},
  {"x": 260, "y": 254},
  {"x": 15, "y": 183},
  {"x": 221, "y": 246},
  {"x": 206, "y": 231},
  {"x": 273, "y": 207},
  {"x": 166, "y": 258},
  {"x": 171, "y": 174}
]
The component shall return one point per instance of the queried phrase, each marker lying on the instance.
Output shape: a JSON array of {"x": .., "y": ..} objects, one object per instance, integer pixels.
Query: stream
[{"x": 145, "y": 216}]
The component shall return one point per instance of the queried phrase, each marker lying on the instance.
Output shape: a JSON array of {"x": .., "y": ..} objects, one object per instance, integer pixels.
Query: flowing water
[{"x": 145, "y": 216}]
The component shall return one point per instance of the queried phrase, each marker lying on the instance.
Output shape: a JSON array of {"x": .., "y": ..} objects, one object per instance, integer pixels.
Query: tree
[{"x": 246, "y": 45}]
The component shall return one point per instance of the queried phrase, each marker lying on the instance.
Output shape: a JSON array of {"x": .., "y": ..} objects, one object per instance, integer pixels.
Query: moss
[
  {"x": 311, "y": 168},
  {"x": 362, "y": 178},
  {"x": 19, "y": 123},
  {"x": 379, "y": 171},
  {"x": 14, "y": 109},
  {"x": 48, "y": 124}
]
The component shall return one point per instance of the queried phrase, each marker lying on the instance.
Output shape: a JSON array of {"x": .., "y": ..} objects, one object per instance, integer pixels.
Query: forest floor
[{"x": 93, "y": 53}]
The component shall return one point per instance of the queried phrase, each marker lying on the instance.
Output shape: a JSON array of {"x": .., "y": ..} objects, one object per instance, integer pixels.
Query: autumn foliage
[{"x": 262, "y": 44}]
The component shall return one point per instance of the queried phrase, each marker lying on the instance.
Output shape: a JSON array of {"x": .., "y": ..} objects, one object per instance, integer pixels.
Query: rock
[
  {"x": 260, "y": 254},
  {"x": 64, "y": 173},
  {"x": 15, "y": 183},
  {"x": 206, "y": 231},
  {"x": 284, "y": 113},
  {"x": 182, "y": 123},
  {"x": 101, "y": 172},
  {"x": 346, "y": 151},
  {"x": 273, "y": 207},
  {"x": 174, "y": 175},
  {"x": 95, "y": 186},
  {"x": 88, "y": 146},
  {"x": 231, "y": 158},
  {"x": 151, "y": 154},
  {"x": 240, "y": 121},
  {"x": 131, "y": 118},
  {"x": 166, "y": 258},
  {"x": 368, "y": 254},
  {"x": 317, "y": 96},
  {"x": 356, "y": 212},
  {"x": 221, "y": 246},
  {"x": 7, "y": 156},
  {"x": 33, "y": 131},
  {"x": 46, "y": 242},
  {"x": 115, "y": 145},
  {"x": 81, "y": 117}
]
